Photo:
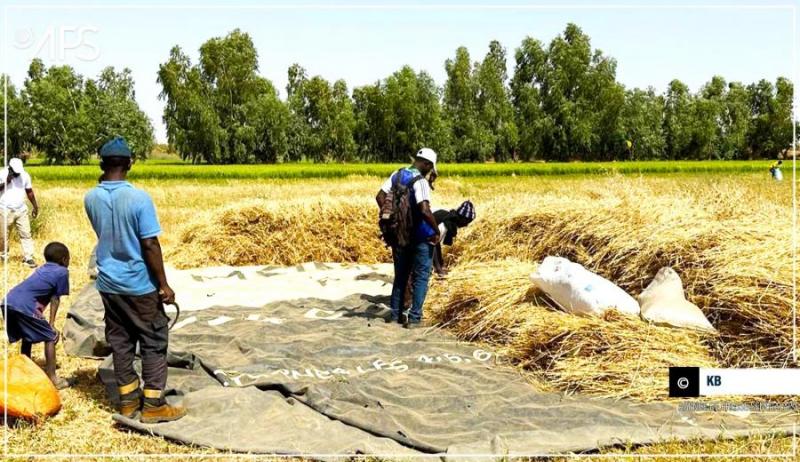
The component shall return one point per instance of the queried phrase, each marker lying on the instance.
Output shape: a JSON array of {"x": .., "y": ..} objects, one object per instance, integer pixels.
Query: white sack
[
  {"x": 577, "y": 290},
  {"x": 663, "y": 302}
]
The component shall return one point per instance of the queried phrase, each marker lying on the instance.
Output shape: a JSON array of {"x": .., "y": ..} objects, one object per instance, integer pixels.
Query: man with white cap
[
  {"x": 15, "y": 185},
  {"x": 416, "y": 257}
]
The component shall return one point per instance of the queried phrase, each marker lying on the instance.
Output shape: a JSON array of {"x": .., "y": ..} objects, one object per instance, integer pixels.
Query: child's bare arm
[{"x": 54, "y": 302}]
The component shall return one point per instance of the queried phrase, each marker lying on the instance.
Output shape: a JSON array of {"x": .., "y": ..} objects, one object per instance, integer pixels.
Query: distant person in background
[
  {"x": 775, "y": 170},
  {"x": 26, "y": 302},
  {"x": 132, "y": 284},
  {"x": 15, "y": 185}
]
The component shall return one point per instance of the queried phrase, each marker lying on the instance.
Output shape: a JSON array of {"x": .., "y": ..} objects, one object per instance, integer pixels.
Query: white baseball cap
[
  {"x": 16, "y": 165},
  {"x": 428, "y": 154}
]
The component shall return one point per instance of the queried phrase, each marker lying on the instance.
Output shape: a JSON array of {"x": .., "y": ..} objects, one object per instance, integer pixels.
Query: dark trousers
[
  {"x": 438, "y": 265},
  {"x": 411, "y": 263},
  {"x": 137, "y": 318}
]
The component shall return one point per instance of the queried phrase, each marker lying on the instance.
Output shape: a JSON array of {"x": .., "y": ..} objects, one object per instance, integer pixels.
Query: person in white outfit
[{"x": 15, "y": 185}]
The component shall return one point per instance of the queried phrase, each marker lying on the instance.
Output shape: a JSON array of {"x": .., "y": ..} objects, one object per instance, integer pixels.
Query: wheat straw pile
[
  {"x": 282, "y": 233},
  {"x": 615, "y": 356},
  {"x": 732, "y": 253}
]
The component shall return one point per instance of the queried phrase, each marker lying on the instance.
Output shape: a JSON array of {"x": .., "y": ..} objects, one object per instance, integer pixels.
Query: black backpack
[{"x": 396, "y": 218}]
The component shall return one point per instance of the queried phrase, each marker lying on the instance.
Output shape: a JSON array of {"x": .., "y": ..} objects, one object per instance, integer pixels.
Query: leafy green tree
[
  {"x": 68, "y": 118},
  {"x": 566, "y": 99},
  {"x": 735, "y": 122},
  {"x": 642, "y": 123},
  {"x": 494, "y": 104},
  {"x": 341, "y": 145},
  {"x": 374, "y": 126},
  {"x": 526, "y": 97},
  {"x": 562, "y": 103},
  {"x": 693, "y": 123},
  {"x": 269, "y": 118},
  {"x": 705, "y": 127},
  {"x": 569, "y": 60},
  {"x": 219, "y": 110},
  {"x": 431, "y": 123},
  {"x": 193, "y": 127},
  {"x": 16, "y": 118},
  {"x": 416, "y": 114},
  {"x": 605, "y": 99},
  {"x": 770, "y": 129},
  {"x": 299, "y": 127},
  {"x": 711, "y": 102},
  {"x": 678, "y": 120},
  {"x": 471, "y": 141},
  {"x": 782, "y": 116},
  {"x": 60, "y": 121},
  {"x": 323, "y": 119},
  {"x": 398, "y": 116},
  {"x": 113, "y": 108},
  {"x": 582, "y": 98},
  {"x": 760, "y": 138}
]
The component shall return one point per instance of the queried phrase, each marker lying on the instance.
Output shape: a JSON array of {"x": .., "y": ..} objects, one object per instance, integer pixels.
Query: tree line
[
  {"x": 67, "y": 117},
  {"x": 561, "y": 103}
]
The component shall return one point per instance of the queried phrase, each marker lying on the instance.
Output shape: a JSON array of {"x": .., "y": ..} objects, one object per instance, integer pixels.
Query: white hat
[
  {"x": 428, "y": 154},
  {"x": 16, "y": 165}
]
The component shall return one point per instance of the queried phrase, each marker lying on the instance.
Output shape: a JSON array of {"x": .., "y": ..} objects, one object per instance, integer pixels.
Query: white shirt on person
[{"x": 14, "y": 195}]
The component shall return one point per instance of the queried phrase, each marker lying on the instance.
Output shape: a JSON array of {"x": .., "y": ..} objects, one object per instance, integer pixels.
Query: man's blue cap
[{"x": 117, "y": 147}]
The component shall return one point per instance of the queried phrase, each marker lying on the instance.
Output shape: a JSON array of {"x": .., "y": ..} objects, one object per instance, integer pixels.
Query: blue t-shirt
[
  {"x": 33, "y": 294},
  {"x": 121, "y": 216}
]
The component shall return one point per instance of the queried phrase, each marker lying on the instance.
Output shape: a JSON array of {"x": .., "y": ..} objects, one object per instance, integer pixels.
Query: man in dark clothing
[
  {"x": 417, "y": 257},
  {"x": 133, "y": 285},
  {"x": 449, "y": 222}
]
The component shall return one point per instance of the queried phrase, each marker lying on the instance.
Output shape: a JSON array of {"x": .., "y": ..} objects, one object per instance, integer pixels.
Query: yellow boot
[
  {"x": 130, "y": 399},
  {"x": 156, "y": 409}
]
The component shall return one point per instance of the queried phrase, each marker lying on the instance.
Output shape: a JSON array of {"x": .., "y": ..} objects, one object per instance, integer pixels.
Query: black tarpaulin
[{"x": 328, "y": 377}]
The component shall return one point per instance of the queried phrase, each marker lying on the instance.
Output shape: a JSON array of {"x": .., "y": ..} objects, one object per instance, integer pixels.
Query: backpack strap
[
  {"x": 410, "y": 185},
  {"x": 414, "y": 180}
]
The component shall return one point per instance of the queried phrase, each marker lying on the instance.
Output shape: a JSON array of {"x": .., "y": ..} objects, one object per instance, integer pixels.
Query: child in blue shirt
[{"x": 25, "y": 304}]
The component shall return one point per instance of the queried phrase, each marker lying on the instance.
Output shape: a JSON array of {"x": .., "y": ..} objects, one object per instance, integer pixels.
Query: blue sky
[{"x": 653, "y": 42}]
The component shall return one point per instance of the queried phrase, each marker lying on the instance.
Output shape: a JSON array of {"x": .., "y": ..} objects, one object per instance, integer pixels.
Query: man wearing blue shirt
[{"x": 133, "y": 285}]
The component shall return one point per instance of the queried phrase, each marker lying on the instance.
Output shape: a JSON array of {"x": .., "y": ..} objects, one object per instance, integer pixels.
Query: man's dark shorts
[{"x": 28, "y": 328}]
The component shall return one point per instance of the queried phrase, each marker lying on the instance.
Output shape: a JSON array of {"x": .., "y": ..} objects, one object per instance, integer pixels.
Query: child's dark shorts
[{"x": 28, "y": 328}]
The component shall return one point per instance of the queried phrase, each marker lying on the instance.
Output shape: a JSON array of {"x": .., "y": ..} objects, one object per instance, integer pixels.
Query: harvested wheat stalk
[
  {"x": 283, "y": 233},
  {"x": 614, "y": 356},
  {"x": 735, "y": 261}
]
